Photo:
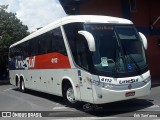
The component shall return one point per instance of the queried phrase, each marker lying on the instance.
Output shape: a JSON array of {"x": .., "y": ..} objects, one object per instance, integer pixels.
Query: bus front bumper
[{"x": 108, "y": 96}]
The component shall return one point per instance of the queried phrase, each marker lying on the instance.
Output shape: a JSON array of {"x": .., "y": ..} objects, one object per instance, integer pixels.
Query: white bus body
[{"x": 110, "y": 73}]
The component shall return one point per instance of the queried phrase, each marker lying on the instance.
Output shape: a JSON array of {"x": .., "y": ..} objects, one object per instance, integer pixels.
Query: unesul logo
[
  {"x": 128, "y": 81},
  {"x": 25, "y": 64}
]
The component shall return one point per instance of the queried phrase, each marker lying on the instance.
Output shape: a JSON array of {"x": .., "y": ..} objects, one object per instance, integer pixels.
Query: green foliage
[{"x": 11, "y": 31}]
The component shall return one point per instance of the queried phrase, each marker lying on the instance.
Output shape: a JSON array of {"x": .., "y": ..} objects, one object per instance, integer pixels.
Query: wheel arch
[
  {"x": 66, "y": 80},
  {"x": 21, "y": 77}
]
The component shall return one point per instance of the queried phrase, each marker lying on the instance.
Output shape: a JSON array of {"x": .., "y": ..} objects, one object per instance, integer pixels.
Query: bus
[{"x": 83, "y": 58}]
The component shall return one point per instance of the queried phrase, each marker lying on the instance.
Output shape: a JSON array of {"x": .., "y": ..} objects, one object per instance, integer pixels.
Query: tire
[
  {"x": 22, "y": 86},
  {"x": 68, "y": 96},
  {"x": 18, "y": 85}
]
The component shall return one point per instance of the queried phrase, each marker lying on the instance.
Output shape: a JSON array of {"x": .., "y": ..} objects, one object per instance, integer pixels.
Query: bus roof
[{"x": 72, "y": 19}]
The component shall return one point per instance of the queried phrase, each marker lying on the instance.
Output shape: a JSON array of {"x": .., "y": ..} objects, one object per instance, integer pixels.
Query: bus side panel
[
  {"x": 55, "y": 86},
  {"x": 12, "y": 77},
  {"x": 48, "y": 80}
]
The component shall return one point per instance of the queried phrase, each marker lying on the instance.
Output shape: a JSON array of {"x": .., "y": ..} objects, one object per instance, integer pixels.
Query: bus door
[
  {"x": 85, "y": 86},
  {"x": 82, "y": 60},
  {"x": 79, "y": 48}
]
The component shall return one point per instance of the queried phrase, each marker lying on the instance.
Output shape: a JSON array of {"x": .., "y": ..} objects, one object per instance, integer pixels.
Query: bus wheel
[
  {"x": 68, "y": 96},
  {"x": 19, "y": 85},
  {"x": 22, "y": 86}
]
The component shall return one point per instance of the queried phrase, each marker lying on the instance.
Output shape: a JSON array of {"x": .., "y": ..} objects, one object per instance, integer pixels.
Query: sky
[{"x": 35, "y": 13}]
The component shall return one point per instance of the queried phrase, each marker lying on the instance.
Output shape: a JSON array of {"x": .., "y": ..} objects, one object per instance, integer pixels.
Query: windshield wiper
[
  {"x": 138, "y": 69},
  {"x": 137, "y": 66},
  {"x": 116, "y": 60}
]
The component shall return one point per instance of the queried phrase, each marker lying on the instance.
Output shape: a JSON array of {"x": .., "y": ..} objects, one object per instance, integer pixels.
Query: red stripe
[{"x": 51, "y": 61}]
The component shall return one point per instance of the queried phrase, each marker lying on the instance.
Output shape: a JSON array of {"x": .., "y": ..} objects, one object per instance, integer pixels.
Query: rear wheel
[
  {"x": 68, "y": 95},
  {"x": 17, "y": 83},
  {"x": 22, "y": 86}
]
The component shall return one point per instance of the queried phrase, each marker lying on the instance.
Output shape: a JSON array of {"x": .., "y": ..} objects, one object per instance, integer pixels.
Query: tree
[{"x": 11, "y": 31}]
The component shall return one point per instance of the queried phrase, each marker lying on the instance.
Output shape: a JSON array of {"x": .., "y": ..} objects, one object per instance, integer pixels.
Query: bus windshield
[{"x": 118, "y": 48}]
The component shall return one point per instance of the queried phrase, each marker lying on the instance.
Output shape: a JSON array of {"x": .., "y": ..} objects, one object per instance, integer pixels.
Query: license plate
[{"x": 132, "y": 93}]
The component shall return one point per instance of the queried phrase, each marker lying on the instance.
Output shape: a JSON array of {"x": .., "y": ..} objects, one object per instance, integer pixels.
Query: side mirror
[
  {"x": 144, "y": 40},
  {"x": 90, "y": 40}
]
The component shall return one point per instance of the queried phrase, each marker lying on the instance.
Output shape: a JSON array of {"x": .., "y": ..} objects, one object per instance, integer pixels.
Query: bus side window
[
  {"x": 48, "y": 40},
  {"x": 42, "y": 48},
  {"x": 33, "y": 48},
  {"x": 24, "y": 49},
  {"x": 13, "y": 52},
  {"x": 58, "y": 42},
  {"x": 45, "y": 43},
  {"x": 82, "y": 50},
  {"x": 11, "y": 55},
  {"x": 17, "y": 51},
  {"x": 77, "y": 44}
]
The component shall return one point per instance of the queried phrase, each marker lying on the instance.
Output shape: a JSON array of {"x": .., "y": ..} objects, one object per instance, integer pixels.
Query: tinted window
[
  {"x": 45, "y": 43},
  {"x": 42, "y": 45},
  {"x": 17, "y": 50},
  {"x": 11, "y": 52},
  {"x": 26, "y": 49},
  {"x": 78, "y": 44},
  {"x": 33, "y": 47},
  {"x": 58, "y": 42},
  {"x": 51, "y": 41}
]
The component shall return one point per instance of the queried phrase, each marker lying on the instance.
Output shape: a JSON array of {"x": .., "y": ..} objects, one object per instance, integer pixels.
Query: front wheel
[{"x": 68, "y": 96}]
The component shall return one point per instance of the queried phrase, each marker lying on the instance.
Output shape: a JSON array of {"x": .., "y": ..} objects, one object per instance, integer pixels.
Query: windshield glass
[
  {"x": 132, "y": 46},
  {"x": 118, "y": 48}
]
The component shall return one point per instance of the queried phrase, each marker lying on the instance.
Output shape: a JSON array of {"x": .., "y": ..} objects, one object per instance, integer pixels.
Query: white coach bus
[{"x": 95, "y": 59}]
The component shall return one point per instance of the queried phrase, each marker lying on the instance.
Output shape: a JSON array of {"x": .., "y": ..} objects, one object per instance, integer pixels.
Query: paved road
[{"x": 13, "y": 100}]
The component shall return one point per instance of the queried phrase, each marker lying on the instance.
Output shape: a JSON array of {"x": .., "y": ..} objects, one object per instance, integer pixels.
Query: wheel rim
[
  {"x": 19, "y": 85},
  {"x": 22, "y": 87},
  {"x": 70, "y": 95}
]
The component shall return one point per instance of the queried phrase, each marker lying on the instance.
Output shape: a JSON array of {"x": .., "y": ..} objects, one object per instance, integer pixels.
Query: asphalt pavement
[{"x": 53, "y": 107}]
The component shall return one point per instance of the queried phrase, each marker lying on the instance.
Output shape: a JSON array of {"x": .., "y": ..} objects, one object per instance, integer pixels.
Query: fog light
[{"x": 146, "y": 80}]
